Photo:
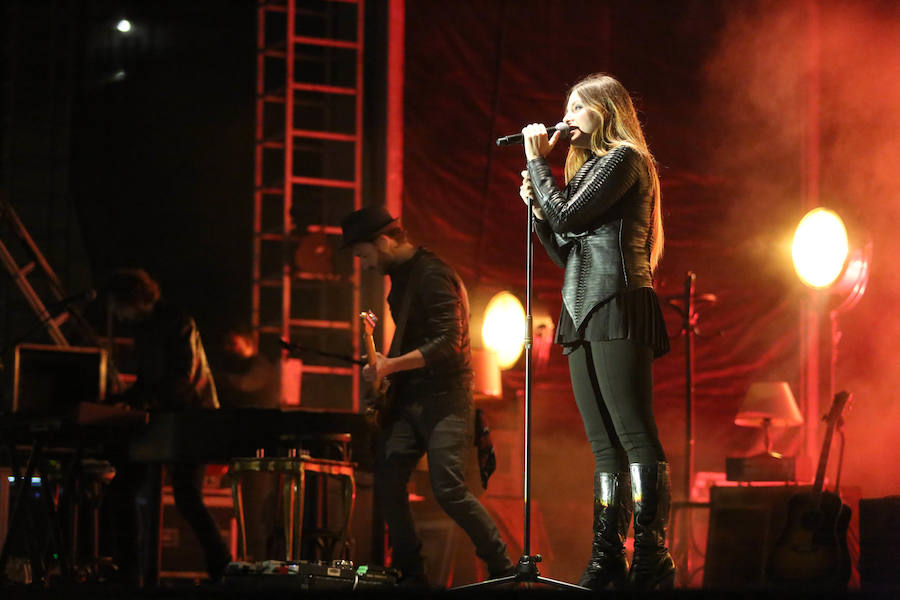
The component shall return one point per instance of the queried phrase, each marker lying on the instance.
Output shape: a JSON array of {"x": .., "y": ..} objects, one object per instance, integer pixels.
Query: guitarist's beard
[
  {"x": 389, "y": 262},
  {"x": 383, "y": 262}
]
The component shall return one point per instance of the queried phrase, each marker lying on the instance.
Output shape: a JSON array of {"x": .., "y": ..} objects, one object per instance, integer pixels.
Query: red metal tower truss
[{"x": 308, "y": 173}]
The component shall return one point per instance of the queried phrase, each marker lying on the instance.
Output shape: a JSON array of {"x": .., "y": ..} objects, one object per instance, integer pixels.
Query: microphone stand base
[{"x": 526, "y": 574}]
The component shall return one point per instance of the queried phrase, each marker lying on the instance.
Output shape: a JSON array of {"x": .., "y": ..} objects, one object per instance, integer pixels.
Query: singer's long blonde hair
[{"x": 618, "y": 126}]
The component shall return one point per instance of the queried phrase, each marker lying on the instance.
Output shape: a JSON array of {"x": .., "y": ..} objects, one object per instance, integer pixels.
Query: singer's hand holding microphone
[
  {"x": 535, "y": 139},
  {"x": 537, "y": 143},
  {"x": 518, "y": 138}
]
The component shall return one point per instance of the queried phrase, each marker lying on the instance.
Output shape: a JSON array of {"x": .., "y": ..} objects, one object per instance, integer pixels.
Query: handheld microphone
[{"x": 517, "y": 138}]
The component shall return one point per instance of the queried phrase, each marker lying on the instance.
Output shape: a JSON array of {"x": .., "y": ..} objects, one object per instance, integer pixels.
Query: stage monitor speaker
[
  {"x": 744, "y": 524},
  {"x": 879, "y": 542}
]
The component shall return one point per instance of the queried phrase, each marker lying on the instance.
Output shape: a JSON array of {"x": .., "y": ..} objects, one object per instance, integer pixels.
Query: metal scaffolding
[{"x": 308, "y": 173}]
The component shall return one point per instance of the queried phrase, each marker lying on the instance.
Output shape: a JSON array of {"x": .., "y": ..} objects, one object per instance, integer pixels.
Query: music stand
[{"x": 526, "y": 569}]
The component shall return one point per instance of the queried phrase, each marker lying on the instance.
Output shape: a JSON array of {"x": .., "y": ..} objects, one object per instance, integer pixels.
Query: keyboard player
[{"x": 172, "y": 374}]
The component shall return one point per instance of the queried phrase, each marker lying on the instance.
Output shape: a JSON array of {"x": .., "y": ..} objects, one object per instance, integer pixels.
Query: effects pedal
[{"x": 308, "y": 576}]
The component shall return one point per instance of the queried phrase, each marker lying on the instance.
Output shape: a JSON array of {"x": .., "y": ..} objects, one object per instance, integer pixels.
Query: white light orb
[
  {"x": 820, "y": 248},
  {"x": 504, "y": 328}
]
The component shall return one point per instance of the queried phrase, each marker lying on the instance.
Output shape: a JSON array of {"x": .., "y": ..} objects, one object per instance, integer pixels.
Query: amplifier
[
  {"x": 303, "y": 576},
  {"x": 744, "y": 524},
  {"x": 762, "y": 467}
]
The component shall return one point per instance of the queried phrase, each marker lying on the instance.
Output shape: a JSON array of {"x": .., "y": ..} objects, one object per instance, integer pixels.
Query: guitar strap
[{"x": 400, "y": 320}]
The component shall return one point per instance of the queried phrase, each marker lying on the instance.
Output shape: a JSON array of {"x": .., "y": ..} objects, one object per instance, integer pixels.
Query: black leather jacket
[
  {"x": 597, "y": 228},
  {"x": 437, "y": 324},
  {"x": 172, "y": 370}
]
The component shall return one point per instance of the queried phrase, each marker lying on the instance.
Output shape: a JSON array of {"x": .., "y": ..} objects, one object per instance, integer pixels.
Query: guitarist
[{"x": 431, "y": 387}]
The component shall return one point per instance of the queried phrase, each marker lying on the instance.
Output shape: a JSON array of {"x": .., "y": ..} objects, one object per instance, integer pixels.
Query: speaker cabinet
[
  {"x": 879, "y": 541},
  {"x": 744, "y": 524}
]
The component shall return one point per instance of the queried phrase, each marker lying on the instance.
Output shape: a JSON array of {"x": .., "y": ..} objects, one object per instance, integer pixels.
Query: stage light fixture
[
  {"x": 836, "y": 266},
  {"x": 850, "y": 287},
  {"x": 820, "y": 248},
  {"x": 124, "y": 26},
  {"x": 504, "y": 328}
]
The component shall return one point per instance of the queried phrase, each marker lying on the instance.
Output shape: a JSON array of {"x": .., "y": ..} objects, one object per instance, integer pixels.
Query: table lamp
[{"x": 766, "y": 404}]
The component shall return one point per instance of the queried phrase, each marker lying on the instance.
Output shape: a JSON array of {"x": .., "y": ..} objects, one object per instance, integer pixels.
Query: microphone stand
[
  {"x": 526, "y": 569},
  {"x": 297, "y": 349}
]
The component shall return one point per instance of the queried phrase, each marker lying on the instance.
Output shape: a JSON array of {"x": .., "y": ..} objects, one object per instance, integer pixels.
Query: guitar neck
[
  {"x": 832, "y": 418},
  {"x": 819, "y": 483},
  {"x": 370, "y": 357},
  {"x": 370, "y": 349}
]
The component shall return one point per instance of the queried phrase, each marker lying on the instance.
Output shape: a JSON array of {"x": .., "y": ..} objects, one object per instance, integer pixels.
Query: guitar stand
[{"x": 526, "y": 570}]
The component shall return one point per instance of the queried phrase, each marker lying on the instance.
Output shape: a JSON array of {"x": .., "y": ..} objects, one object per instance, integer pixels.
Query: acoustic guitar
[
  {"x": 812, "y": 550},
  {"x": 379, "y": 401}
]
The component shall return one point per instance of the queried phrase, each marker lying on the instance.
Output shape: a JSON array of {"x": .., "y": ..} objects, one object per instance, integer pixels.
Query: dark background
[
  {"x": 153, "y": 168},
  {"x": 147, "y": 141}
]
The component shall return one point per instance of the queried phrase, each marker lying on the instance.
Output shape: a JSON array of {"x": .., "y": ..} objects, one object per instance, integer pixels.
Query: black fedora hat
[{"x": 364, "y": 224}]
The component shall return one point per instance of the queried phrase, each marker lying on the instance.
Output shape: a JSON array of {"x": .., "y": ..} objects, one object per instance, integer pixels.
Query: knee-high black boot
[
  {"x": 652, "y": 565},
  {"x": 612, "y": 515}
]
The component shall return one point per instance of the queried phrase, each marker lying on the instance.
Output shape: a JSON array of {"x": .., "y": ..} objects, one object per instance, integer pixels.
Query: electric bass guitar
[
  {"x": 812, "y": 550},
  {"x": 380, "y": 402}
]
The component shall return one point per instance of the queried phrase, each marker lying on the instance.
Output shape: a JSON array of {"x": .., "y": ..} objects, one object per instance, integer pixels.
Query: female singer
[{"x": 605, "y": 229}]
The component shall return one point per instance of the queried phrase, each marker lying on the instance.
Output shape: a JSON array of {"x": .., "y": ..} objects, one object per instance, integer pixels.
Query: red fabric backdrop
[
  {"x": 478, "y": 71},
  {"x": 720, "y": 89}
]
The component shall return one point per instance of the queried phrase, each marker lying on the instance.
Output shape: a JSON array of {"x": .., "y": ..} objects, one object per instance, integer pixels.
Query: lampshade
[
  {"x": 772, "y": 401},
  {"x": 486, "y": 371}
]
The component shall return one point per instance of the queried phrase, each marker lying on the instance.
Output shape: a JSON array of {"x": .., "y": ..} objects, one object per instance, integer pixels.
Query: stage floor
[{"x": 518, "y": 591}]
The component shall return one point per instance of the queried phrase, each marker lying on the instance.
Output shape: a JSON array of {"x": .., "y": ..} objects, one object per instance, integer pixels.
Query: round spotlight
[
  {"x": 820, "y": 248},
  {"x": 124, "y": 26},
  {"x": 504, "y": 328}
]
